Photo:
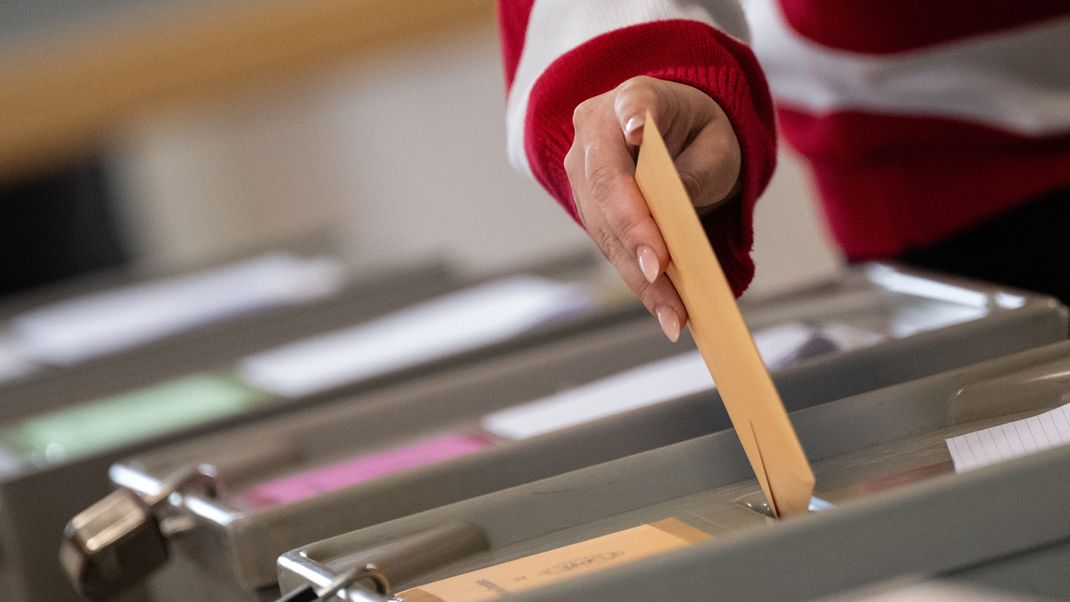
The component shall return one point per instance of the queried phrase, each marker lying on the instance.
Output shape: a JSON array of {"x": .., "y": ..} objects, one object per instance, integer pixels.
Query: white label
[
  {"x": 1011, "y": 440},
  {"x": 651, "y": 383},
  {"x": 73, "y": 331},
  {"x": 781, "y": 344},
  {"x": 848, "y": 338},
  {"x": 12, "y": 367},
  {"x": 656, "y": 382},
  {"x": 447, "y": 325}
]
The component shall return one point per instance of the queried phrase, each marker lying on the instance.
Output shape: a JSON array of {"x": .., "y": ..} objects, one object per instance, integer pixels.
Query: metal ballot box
[
  {"x": 689, "y": 521},
  {"x": 56, "y": 351},
  {"x": 60, "y": 452},
  {"x": 473, "y": 432}
]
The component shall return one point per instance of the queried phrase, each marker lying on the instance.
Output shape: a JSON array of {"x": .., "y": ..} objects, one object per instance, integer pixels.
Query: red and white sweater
[{"x": 919, "y": 119}]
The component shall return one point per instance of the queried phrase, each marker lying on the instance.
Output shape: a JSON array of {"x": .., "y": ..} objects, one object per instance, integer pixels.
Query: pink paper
[{"x": 307, "y": 484}]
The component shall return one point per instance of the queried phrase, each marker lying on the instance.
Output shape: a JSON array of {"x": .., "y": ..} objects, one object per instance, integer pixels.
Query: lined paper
[
  {"x": 72, "y": 331},
  {"x": 1011, "y": 440}
]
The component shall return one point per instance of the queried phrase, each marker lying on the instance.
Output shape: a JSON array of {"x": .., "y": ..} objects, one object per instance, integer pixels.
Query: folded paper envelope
[{"x": 721, "y": 335}]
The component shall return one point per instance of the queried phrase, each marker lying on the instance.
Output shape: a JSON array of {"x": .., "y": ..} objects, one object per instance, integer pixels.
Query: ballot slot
[
  {"x": 339, "y": 449},
  {"x": 119, "y": 423},
  {"x": 870, "y": 451}
]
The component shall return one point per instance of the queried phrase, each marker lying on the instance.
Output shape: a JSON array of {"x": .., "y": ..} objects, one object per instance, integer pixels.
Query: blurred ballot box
[
  {"x": 689, "y": 522},
  {"x": 140, "y": 331},
  {"x": 58, "y": 437},
  {"x": 249, "y": 494},
  {"x": 113, "y": 318}
]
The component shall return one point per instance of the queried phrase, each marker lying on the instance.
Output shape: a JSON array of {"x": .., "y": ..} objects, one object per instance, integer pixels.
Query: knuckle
[
  {"x": 602, "y": 181},
  {"x": 571, "y": 159},
  {"x": 605, "y": 241},
  {"x": 629, "y": 231},
  {"x": 638, "y": 82},
  {"x": 640, "y": 90},
  {"x": 645, "y": 291},
  {"x": 582, "y": 112}
]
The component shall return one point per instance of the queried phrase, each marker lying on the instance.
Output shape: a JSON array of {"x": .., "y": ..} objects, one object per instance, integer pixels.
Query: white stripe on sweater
[
  {"x": 1017, "y": 79},
  {"x": 557, "y": 26}
]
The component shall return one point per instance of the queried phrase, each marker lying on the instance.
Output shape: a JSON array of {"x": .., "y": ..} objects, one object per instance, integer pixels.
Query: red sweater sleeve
[{"x": 678, "y": 50}]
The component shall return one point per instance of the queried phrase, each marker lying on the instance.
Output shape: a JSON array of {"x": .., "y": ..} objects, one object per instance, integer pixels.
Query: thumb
[
  {"x": 676, "y": 108},
  {"x": 636, "y": 98}
]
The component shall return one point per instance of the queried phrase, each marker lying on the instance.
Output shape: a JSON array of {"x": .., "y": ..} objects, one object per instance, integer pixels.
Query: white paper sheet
[
  {"x": 447, "y": 325},
  {"x": 779, "y": 345},
  {"x": 913, "y": 319},
  {"x": 12, "y": 367},
  {"x": 652, "y": 383},
  {"x": 848, "y": 338},
  {"x": 1011, "y": 440},
  {"x": 72, "y": 331}
]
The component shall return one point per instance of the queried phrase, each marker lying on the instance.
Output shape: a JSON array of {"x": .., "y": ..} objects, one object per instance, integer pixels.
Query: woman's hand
[{"x": 601, "y": 169}]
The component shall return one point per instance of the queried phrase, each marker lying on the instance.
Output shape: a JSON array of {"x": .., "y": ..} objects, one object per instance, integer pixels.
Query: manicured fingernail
[
  {"x": 632, "y": 124},
  {"x": 670, "y": 322},
  {"x": 648, "y": 263}
]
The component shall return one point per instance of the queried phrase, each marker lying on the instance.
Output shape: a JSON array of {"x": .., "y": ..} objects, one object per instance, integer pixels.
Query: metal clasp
[
  {"x": 348, "y": 582},
  {"x": 121, "y": 539}
]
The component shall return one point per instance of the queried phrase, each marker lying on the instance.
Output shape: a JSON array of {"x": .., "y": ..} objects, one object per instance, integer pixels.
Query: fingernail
[
  {"x": 632, "y": 124},
  {"x": 670, "y": 322},
  {"x": 648, "y": 263}
]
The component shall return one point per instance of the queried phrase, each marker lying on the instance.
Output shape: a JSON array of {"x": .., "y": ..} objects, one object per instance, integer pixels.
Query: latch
[{"x": 121, "y": 539}]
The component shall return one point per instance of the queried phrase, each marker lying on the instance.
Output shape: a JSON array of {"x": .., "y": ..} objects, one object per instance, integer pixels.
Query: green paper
[{"x": 130, "y": 417}]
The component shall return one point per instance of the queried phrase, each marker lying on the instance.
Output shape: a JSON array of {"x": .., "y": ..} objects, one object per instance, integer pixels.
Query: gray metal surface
[
  {"x": 215, "y": 345},
  {"x": 234, "y": 550},
  {"x": 1039, "y": 571},
  {"x": 30, "y": 532},
  {"x": 962, "y": 525},
  {"x": 453, "y": 399}
]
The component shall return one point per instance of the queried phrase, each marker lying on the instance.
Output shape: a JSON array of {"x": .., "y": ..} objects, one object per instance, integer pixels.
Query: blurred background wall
[{"x": 384, "y": 157}]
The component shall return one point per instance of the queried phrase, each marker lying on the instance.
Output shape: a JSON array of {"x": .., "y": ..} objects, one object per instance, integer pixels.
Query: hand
[{"x": 601, "y": 169}]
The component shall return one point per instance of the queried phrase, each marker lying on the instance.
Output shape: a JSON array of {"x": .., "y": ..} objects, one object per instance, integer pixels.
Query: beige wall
[{"x": 399, "y": 160}]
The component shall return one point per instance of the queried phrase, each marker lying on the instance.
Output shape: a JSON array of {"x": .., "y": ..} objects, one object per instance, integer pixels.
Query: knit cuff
[{"x": 681, "y": 51}]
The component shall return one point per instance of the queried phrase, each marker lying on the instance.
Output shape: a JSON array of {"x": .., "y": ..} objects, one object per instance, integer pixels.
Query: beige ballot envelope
[
  {"x": 560, "y": 564},
  {"x": 721, "y": 335}
]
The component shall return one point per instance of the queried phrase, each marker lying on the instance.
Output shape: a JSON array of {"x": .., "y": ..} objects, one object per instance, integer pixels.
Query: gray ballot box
[
  {"x": 55, "y": 453},
  {"x": 476, "y": 431},
  {"x": 107, "y": 334},
  {"x": 894, "y": 497}
]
